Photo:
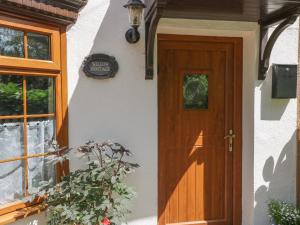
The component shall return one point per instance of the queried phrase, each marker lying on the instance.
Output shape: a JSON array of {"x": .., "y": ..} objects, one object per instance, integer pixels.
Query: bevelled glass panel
[
  {"x": 12, "y": 182},
  {"x": 11, "y": 42},
  {"x": 40, "y": 95},
  {"x": 195, "y": 91},
  {"x": 11, "y": 95},
  {"x": 38, "y": 46},
  {"x": 11, "y": 139}
]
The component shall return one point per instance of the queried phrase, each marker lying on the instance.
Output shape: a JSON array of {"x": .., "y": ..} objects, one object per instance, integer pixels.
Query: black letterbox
[{"x": 284, "y": 81}]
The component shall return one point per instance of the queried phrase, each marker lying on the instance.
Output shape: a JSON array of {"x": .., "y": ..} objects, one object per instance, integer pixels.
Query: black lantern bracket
[
  {"x": 132, "y": 35},
  {"x": 284, "y": 18}
]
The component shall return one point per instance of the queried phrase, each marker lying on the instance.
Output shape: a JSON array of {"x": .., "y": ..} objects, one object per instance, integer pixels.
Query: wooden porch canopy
[
  {"x": 265, "y": 12},
  {"x": 63, "y": 12}
]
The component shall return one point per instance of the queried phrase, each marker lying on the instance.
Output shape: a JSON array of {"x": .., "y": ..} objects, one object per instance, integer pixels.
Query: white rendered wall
[
  {"x": 124, "y": 108},
  {"x": 275, "y": 134}
]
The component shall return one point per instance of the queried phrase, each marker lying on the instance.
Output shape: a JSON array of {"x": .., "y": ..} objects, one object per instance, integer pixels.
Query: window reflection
[
  {"x": 38, "y": 46},
  {"x": 40, "y": 95},
  {"x": 11, "y": 42},
  {"x": 11, "y": 95}
]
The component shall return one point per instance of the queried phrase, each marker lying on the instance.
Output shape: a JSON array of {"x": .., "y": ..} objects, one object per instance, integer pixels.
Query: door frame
[{"x": 237, "y": 43}]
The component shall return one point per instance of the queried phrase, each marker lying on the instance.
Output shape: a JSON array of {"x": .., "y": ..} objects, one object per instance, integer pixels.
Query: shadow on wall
[
  {"x": 279, "y": 178},
  {"x": 120, "y": 109},
  {"x": 271, "y": 109}
]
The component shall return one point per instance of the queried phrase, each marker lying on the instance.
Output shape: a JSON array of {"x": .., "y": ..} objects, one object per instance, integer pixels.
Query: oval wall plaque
[{"x": 100, "y": 66}]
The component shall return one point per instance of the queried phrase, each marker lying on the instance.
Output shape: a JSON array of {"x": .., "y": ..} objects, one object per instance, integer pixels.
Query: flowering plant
[
  {"x": 105, "y": 221},
  {"x": 283, "y": 213},
  {"x": 96, "y": 195}
]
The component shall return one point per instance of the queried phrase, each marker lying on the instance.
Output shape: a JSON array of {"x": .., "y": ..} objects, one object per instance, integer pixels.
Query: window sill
[{"x": 21, "y": 214}]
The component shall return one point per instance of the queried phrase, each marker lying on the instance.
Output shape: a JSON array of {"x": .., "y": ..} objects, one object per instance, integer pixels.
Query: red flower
[{"x": 105, "y": 221}]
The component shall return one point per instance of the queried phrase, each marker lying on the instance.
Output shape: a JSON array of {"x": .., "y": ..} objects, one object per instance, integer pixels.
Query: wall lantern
[{"x": 135, "y": 11}]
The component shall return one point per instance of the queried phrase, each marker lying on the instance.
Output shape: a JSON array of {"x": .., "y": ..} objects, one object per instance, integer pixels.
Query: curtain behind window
[
  {"x": 11, "y": 174},
  {"x": 39, "y": 137}
]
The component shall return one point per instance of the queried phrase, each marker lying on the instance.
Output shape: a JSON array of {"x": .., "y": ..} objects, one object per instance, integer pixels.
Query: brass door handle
[{"x": 230, "y": 136}]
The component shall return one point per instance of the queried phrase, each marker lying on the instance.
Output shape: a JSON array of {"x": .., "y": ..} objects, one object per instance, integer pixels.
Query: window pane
[
  {"x": 11, "y": 95},
  {"x": 12, "y": 181},
  {"x": 195, "y": 91},
  {"x": 11, "y": 139},
  {"x": 40, "y": 134},
  {"x": 38, "y": 46},
  {"x": 40, "y": 95},
  {"x": 40, "y": 169},
  {"x": 11, "y": 42}
]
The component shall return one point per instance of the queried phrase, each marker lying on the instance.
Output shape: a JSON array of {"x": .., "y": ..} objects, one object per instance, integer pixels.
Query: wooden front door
[{"x": 199, "y": 92}]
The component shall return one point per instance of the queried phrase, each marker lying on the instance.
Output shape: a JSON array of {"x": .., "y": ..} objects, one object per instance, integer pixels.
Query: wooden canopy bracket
[
  {"x": 285, "y": 19},
  {"x": 151, "y": 22}
]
